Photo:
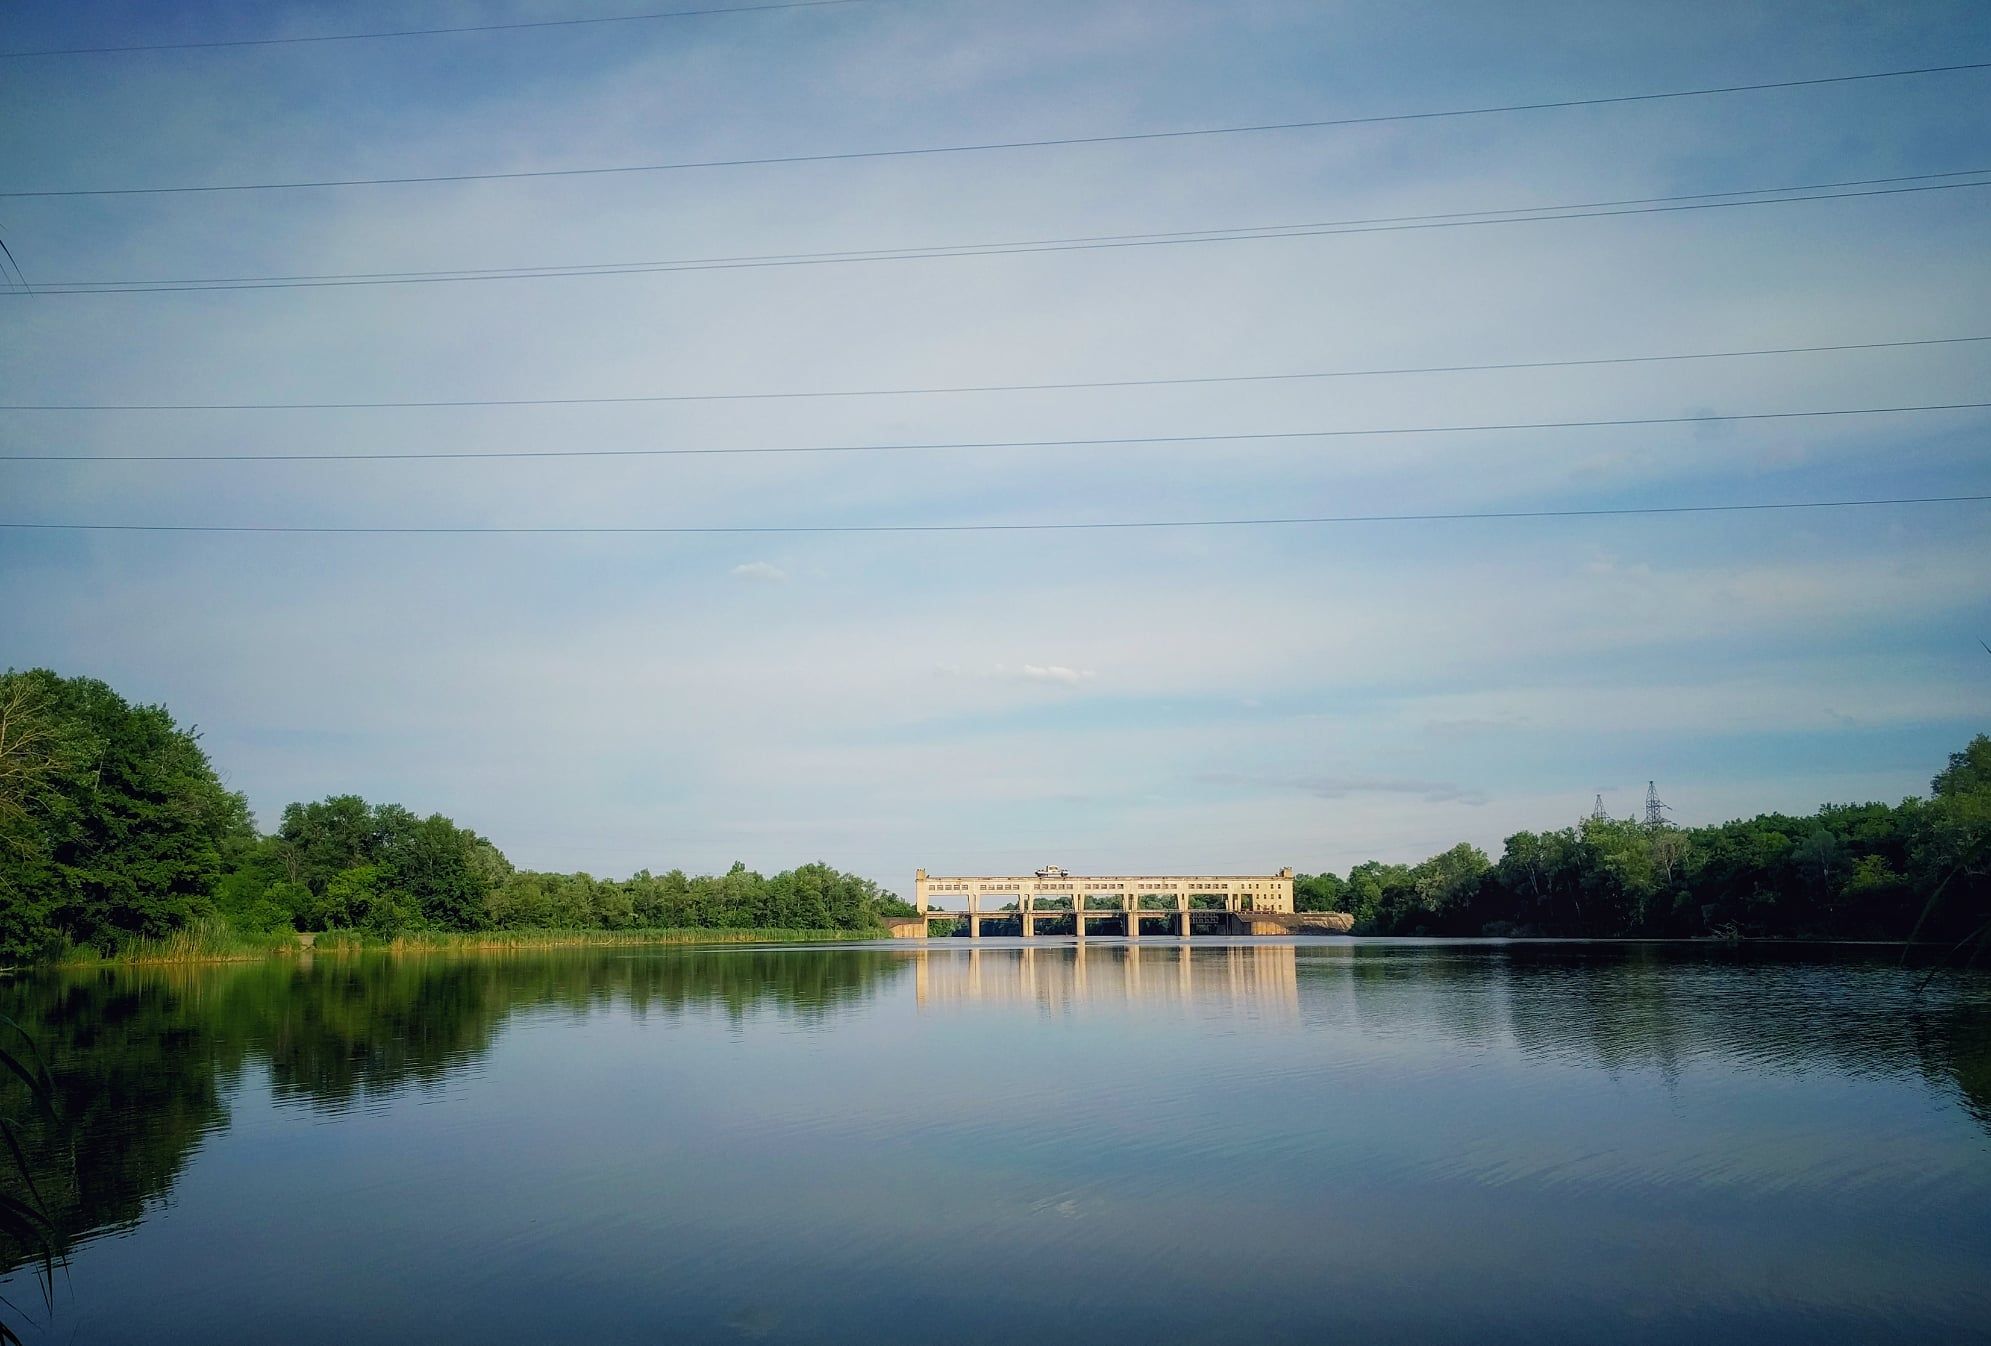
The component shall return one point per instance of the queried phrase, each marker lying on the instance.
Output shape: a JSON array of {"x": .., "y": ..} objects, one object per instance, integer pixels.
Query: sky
[{"x": 1207, "y": 699}]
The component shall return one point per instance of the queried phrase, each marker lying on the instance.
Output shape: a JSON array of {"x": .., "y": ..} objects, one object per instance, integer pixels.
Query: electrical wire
[
  {"x": 1262, "y": 436},
  {"x": 1652, "y": 205},
  {"x": 1184, "y": 381},
  {"x": 992, "y": 145},
  {"x": 1076, "y": 527}
]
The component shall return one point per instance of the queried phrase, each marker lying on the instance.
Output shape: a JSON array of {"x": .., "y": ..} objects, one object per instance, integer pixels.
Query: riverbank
[{"x": 213, "y": 942}]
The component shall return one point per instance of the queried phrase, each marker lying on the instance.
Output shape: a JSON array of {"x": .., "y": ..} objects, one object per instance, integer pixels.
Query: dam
[{"x": 1054, "y": 902}]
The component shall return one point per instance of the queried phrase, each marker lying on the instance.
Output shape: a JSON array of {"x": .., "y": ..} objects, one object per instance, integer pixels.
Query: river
[{"x": 1246, "y": 1141}]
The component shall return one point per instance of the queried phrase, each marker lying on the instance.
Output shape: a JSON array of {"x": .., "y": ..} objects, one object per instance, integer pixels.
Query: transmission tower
[
  {"x": 1597, "y": 813},
  {"x": 1655, "y": 808}
]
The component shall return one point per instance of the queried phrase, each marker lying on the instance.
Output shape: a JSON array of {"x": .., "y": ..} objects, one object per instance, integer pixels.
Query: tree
[
  {"x": 1618, "y": 876},
  {"x": 1320, "y": 892},
  {"x": 31, "y": 752},
  {"x": 358, "y": 899},
  {"x": 1822, "y": 856},
  {"x": 430, "y": 872},
  {"x": 1446, "y": 884},
  {"x": 1375, "y": 894},
  {"x": 1950, "y": 852},
  {"x": 1536, "y": 875},
  {"x": 120, "y": 823},
  {"x": 434, "y": 866},
  {"x": 1969, "y": 771}
]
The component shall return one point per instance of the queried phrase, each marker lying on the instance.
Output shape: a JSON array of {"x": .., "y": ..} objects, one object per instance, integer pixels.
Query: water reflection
[
  {"x": 1260, "y": 978},
  {"x": 1356, "y": 1099},
  {"x": 144, "y": 1058}
]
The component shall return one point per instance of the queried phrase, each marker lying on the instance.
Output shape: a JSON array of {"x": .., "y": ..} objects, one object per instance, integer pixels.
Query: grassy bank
[
  {"x": 479, "y": 941},
  {"x": 213, "y": 941}
]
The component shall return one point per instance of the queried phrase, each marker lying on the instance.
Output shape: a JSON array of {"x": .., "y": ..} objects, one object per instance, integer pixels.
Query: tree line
[
  {"x": 1917, "y": 869},
  {"x": 115, "y": 826}
]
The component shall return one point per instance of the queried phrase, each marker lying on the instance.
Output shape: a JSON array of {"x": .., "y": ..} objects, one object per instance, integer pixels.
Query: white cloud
[
  {"x": 760, "y": 571},
  {"x": 1059, "y": 675},
  {"x": 1054, "y": 673}
]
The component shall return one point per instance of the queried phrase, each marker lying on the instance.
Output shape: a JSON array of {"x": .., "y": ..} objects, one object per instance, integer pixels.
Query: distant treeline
[
  {"x": 1920, "y": 868},
  {"x": 115, "y": 827}
]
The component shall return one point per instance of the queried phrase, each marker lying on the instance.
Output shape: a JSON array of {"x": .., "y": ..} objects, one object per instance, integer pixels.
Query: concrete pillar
[
  {"x": 1078, "y": 915},
  {"x": 974, "y": 925},
  {"x": 1029, "y": 920},
  {"x": 1133, "y": 916}
]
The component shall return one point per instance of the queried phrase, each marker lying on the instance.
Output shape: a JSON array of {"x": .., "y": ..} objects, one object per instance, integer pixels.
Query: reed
[
  {"x": 209, "y": 939},
  {"x": 450, "y": 941},
  {"x": 213, "y": 940}
]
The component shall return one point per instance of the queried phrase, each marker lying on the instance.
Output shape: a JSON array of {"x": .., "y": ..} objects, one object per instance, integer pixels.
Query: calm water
[{"x": 1251, "y": 1142}]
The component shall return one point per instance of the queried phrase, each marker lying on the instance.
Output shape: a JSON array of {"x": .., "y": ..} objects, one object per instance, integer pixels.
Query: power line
[
  {"x": 1259, "y": 436},
  {"x": 1651, "y": 205},
  {"x": 986, "y": 146},
  {"x": 431, "y": 32},
  {"x": 736, "y": 529},
  {"x": 643, "y": 398}
]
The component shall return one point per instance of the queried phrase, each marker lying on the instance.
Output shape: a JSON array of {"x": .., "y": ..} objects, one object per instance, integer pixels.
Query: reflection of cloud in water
[{"x": 1260, "y": 977}]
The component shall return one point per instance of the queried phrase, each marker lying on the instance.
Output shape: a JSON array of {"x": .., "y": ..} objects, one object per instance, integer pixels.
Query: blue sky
[{"x": 1213, "y": 699}]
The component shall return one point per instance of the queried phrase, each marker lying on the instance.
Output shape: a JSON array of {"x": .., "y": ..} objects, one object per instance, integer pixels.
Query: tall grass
[
  {"x": 208, "y": 939},
  {"x": 211, "y": 939},
  {"x": 451, "y": 941}
]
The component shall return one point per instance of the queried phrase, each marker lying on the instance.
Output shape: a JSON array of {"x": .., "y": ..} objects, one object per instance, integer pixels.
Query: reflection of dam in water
[{"x": 1263, "y": 977}]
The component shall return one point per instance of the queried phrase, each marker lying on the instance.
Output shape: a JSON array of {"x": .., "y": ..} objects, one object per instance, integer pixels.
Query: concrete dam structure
[{"x": 1052, "y": 901}]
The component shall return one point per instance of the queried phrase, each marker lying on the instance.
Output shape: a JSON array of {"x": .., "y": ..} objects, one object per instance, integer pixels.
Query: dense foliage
[
  {"x": 112, "y": 822},
  {"x": 113, "y": 825},
  {"x": 1920, "y": 868}
]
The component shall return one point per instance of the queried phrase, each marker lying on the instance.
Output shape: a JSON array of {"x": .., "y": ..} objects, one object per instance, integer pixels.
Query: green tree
[
  {"x": 1950, "y": 851},
  {"x": 360, "y": 899},
  {"x": 437, "y": 869},
  {"x": 1446, "y": 885},
  {"x": 1376, "y": 894},
  {"x": 118, "y": 825},
  {"x": 1320, "y": 892}
]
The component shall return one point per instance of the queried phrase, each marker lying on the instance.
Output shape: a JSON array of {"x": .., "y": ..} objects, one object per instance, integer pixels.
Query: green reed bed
[
  {"x": 208, "y": 940},
  {"x": 448, "y": 941},
  {"x": 213, "y": 940}
]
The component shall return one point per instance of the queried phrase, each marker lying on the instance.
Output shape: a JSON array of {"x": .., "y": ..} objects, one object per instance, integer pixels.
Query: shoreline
[
  {"x": 342, "y": 943},
  {"x": 338, "y": 943}
]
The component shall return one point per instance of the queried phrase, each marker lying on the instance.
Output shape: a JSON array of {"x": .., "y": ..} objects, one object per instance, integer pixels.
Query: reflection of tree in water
[
  {"x": 136, "y": 1087},
  {"x": 1957, "y": 1047},
  {"x": 143, "y": 1058},
  {"x": 1630, "y": 1006}
]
